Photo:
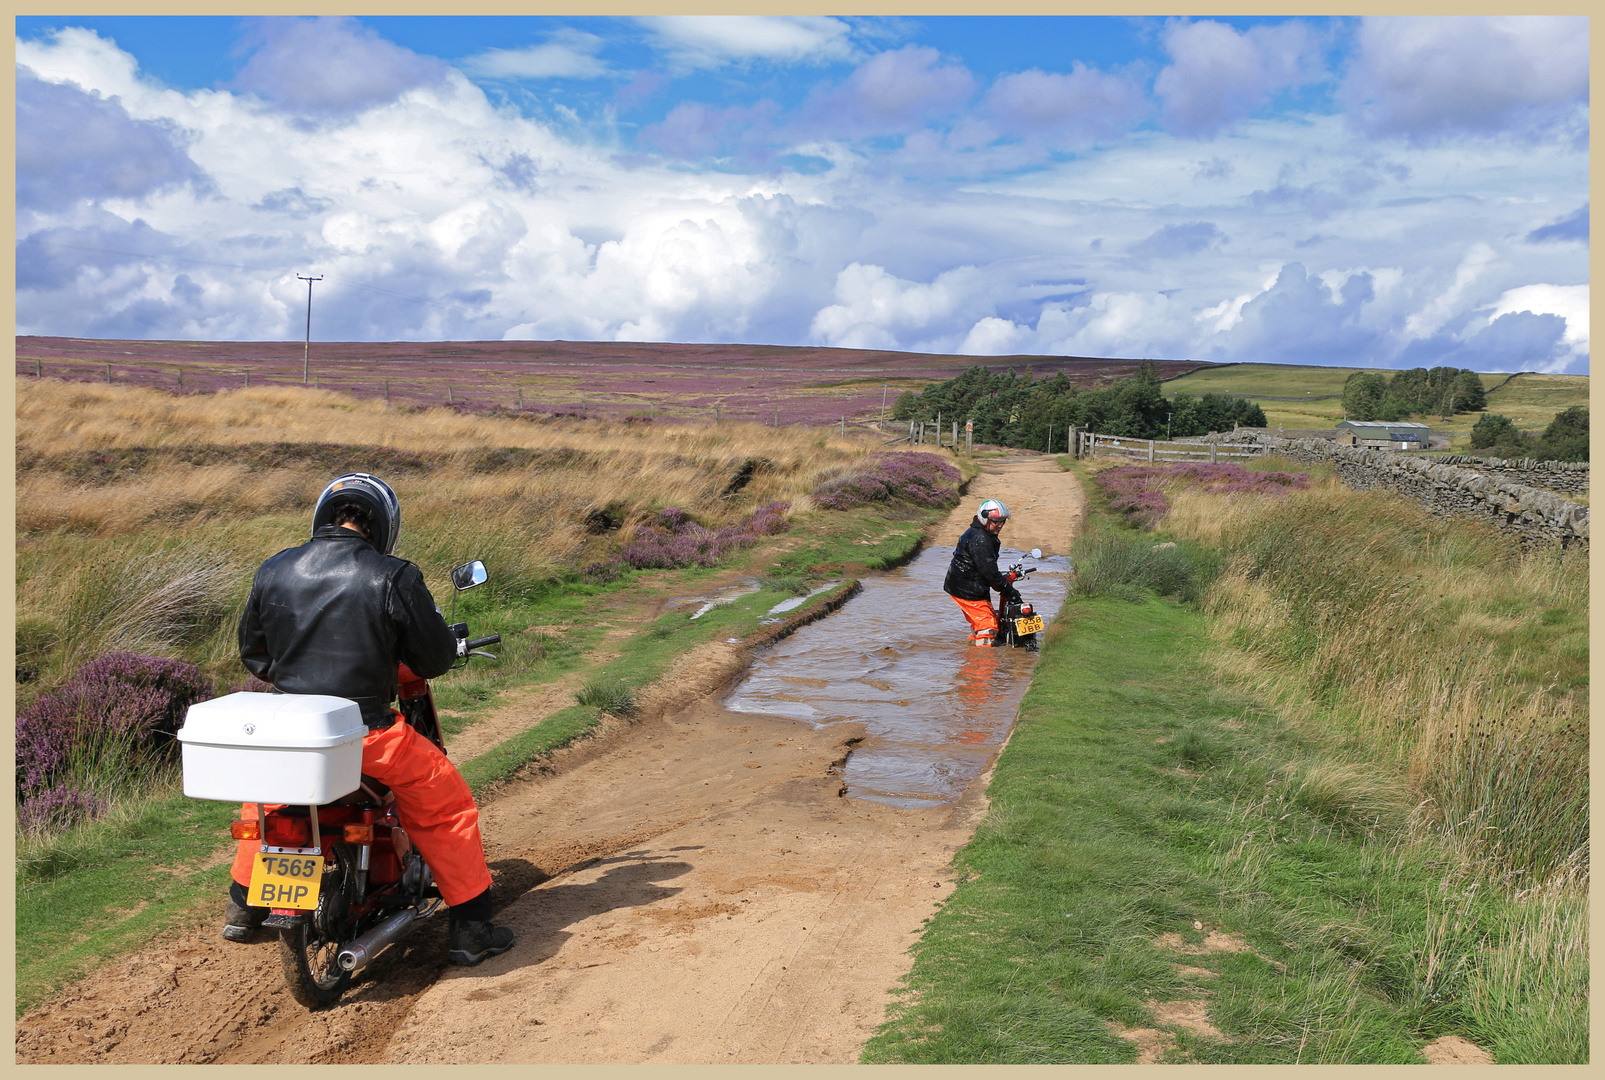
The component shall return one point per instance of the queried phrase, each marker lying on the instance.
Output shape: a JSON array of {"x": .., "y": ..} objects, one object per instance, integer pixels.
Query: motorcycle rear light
[
  {"x": 245, "y": 830},
  {"x": 288, "y": 831},
  {"x": 359, "y": 834},
  {"x": 1026, "y": 610}
]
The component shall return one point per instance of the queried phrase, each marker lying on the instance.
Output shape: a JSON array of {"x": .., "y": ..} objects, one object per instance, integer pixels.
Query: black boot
[
  {"x": 473, "y": 938},
  {"x": 240, "y": 920},
  {"x": 472, "y": 942}
]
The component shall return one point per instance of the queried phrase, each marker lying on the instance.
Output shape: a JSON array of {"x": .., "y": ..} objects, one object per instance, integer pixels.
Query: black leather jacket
[
  {"x": 333, "y": 616},
  {"x": 974, "y": 569}
]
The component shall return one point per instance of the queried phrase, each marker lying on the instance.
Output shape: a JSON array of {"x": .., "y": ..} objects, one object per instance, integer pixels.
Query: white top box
[{"x": 304, "y": 749}]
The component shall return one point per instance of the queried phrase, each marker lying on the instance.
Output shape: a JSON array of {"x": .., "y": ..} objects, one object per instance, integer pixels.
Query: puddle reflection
[{"x": 897, "y": 659}]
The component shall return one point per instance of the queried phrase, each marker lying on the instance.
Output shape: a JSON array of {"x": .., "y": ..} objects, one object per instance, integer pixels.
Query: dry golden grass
[
  {"x": 628, "y": 469},
  {"x": 57, "y": 417},
  {"x": 93, "y": 538}
]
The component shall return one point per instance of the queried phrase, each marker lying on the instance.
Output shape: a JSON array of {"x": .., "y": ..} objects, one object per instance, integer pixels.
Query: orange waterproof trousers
[
  {"x": 432, "y": 800},
  {"x": 983, "y": 620}
]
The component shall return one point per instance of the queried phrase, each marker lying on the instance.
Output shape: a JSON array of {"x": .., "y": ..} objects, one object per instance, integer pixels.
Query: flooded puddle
[
  {"x": 798, "y": 601},
  {"x": 897, "y": 659},
  {"x": 727, "y": 595}
]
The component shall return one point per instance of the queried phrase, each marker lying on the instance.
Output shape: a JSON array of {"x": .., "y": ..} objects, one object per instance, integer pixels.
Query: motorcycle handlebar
[{"x": 481, "y": 642}]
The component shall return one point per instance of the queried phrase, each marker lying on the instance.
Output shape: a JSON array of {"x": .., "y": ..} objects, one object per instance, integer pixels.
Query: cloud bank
[{"x": 891, "y": 198}]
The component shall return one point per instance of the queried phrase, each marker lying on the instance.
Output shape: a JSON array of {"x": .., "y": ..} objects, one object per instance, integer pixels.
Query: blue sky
[{"x": 1383, "y": 191}]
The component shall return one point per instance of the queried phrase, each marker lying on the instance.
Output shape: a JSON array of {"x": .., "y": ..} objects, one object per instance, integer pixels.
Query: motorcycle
[
  {"x": 372, "y": 887},
  {"x": 1019, "y": 625}
]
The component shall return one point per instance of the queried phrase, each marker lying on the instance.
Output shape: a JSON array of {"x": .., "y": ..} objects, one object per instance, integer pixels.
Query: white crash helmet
[{"x": 993, "y": 511}]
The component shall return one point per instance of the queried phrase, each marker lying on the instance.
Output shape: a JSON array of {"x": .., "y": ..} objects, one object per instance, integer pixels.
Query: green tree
[
  {"x": 1491, "y": 429},
  {"x": 1566, "y": 437},
  {"x": 1470, "y": 394},
  {"x": 1363, "y": 394}
]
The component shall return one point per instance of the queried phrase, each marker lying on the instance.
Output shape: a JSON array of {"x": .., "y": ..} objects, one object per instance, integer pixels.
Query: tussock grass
[
  {"x": 115, "y": 470},
  {"x": 1449, "y": 652},
  {"x": 610, "y": 694},
  {"x": 157, "y": 600},
  {"x": 1127, "y": 565}
]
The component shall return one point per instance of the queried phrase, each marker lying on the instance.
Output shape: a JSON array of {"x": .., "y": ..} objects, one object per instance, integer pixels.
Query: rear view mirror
[
  {"x": 468, "y": 575},
  {"x": 1036, "y": 553}
]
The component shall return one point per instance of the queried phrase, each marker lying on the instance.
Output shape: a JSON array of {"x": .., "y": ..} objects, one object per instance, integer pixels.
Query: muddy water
[{"x": 897, "y": 659}]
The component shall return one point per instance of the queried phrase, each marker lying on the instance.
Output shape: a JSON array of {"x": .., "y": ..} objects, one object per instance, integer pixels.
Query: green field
[{"x": 1532, "y": 400}]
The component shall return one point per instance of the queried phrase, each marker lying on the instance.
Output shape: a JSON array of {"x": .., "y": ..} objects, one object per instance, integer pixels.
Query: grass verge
[{"x": 1159, "y": 851}]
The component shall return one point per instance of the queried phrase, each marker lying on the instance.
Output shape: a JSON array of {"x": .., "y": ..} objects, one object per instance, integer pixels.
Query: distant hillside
[{"x": 804, "y": 383}]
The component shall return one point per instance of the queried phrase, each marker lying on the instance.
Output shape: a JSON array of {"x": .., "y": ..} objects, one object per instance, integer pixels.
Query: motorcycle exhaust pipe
[{"x": 357, "y": 955}]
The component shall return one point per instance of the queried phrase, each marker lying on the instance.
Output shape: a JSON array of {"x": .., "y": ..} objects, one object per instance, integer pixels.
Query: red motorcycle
[
  {"x": 1019, "y": 624},
  {"x": 341, "y": 879}
]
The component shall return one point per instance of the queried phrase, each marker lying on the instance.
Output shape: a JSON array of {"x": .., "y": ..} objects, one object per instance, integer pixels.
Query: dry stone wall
[
  {"x": 1563, "y": 476},
  {"x": 1534, "y": 515}
]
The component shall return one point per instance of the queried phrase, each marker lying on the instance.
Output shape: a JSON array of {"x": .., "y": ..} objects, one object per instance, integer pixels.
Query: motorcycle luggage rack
[{"x": 261, "y": 817}]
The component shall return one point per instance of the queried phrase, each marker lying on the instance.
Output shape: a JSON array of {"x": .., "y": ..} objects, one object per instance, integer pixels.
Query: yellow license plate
[
  {"x": 285, "y": 881},
  {"x": 1029, "y": 625}
]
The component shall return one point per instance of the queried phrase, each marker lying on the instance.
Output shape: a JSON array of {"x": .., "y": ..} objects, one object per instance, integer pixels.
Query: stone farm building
[{"x": 1383, "y": 435}]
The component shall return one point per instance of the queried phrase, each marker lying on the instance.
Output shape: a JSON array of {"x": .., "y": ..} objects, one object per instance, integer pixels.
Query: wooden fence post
[{"x": 1150, "y": 451}]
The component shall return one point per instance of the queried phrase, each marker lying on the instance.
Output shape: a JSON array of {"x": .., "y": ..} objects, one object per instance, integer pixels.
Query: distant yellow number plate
[
  {"x": 285, "y": 881},
  {"x": 1028, "y": 626}
]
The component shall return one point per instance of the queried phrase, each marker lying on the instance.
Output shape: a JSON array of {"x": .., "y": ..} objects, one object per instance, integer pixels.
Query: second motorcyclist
[{"x": 974, "y": 573}]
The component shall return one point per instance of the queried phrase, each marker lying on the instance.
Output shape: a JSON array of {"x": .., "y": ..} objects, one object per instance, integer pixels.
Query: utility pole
[{"x": 306, "y": 355}]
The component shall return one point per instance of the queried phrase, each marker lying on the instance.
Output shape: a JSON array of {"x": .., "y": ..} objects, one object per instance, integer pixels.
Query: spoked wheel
[
  {"x": 310, "y": 970},
  {"x": 308, "y": 951}
]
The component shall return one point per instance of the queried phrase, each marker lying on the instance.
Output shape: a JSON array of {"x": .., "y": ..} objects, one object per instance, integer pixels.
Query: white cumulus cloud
[
  {"x": 711, "y": 41},
  {"x": 566, "y": 54},
  {"x": 1428, "y": 77},
  {"x": 1219, "y": 75}
]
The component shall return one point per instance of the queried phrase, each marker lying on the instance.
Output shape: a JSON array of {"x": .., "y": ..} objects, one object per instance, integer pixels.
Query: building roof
[{"x": 1382, "y": 425}]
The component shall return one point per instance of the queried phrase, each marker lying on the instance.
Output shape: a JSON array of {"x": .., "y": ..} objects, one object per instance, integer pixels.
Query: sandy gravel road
[{"x": 690, "y": 888}]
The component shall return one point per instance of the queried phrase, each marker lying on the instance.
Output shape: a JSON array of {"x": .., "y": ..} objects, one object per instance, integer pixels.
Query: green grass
[
  {"x": 1530, "y": 399},
  {"x": 1263, "y": 380},
  {"x": 109, "y": 888},
  {"x": 1535, "y": 398},
  {"x": 1134, "y": 799}
]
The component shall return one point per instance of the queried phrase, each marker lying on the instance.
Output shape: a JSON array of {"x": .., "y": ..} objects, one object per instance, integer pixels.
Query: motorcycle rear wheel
[
  {"x": 314, "y": 977},
  {"x": 309, "y": 950}
]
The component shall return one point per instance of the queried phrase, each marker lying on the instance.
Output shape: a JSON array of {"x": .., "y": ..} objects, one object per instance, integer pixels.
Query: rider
[
  {"x": 334, "y": 616},
  {"x": 974, "y": 572}
]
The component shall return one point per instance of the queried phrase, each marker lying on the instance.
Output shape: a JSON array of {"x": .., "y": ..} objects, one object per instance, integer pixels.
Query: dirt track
[{"x": 690, "y": 888}]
